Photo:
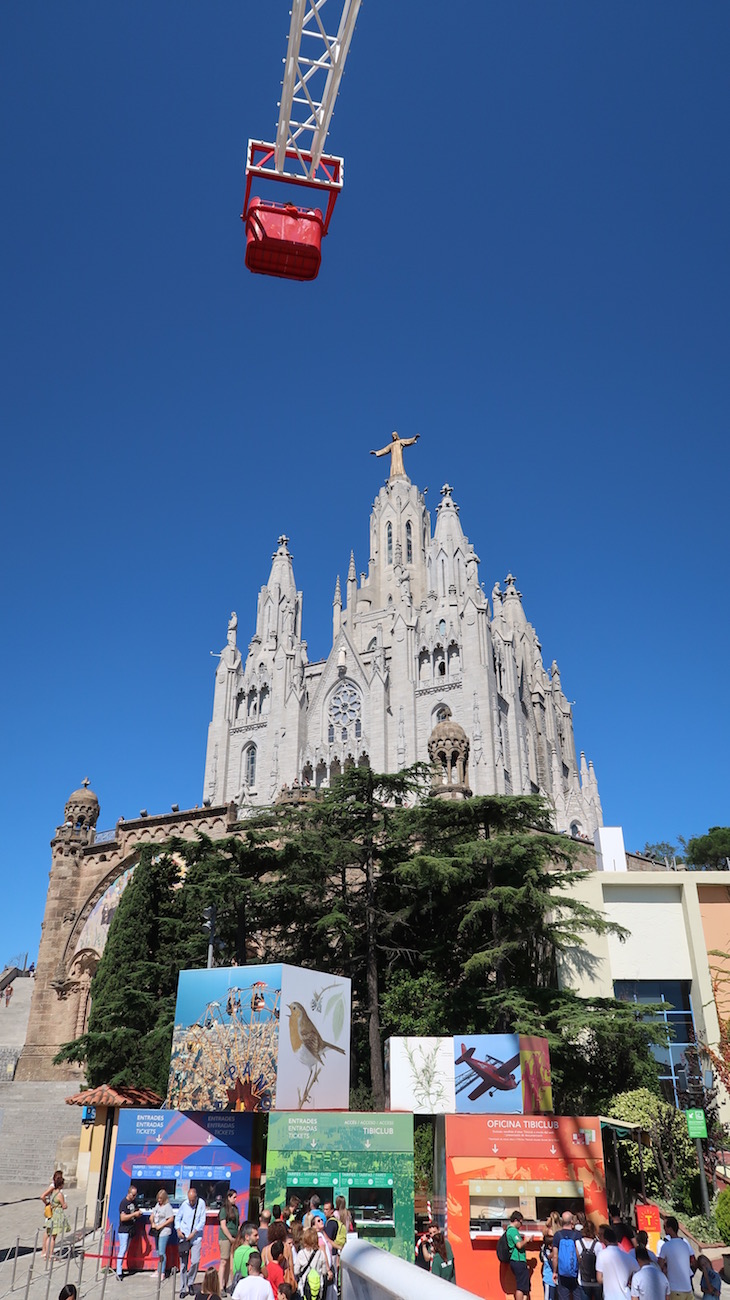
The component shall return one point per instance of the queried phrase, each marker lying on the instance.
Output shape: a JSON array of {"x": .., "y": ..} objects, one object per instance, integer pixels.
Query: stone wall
[{"x": 82, "y": 869}]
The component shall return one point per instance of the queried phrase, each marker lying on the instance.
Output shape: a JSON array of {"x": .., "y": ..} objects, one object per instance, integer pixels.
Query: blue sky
[{"x": 528, "y": 266}]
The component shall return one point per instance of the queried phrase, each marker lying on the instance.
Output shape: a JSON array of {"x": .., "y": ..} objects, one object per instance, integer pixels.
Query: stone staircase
[
  {"x": 38, "y": 1131},
  {"x": 13, "y": 1019}
]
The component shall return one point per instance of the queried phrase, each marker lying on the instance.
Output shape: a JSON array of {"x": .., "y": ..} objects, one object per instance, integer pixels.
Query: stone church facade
[
  {"x": 412, "y": 636},
  {"x": 415, "y": 643}
]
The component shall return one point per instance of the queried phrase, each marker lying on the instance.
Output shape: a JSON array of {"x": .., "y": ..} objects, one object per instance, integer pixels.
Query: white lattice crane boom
[
  {"x": 283, "y": 239},
  {"x": 313, "y": 68}
]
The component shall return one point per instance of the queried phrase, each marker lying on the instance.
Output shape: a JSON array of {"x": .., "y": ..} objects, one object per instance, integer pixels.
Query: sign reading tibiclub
[{"x": 696, "y": 1123}]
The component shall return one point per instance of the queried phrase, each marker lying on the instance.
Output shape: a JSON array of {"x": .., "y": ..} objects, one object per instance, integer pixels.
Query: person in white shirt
[
  {"x": 253, "y": 1287},
  {"x": 189, "y": 1225},
  {"x": 614, "y": 1268},
  {"x": 648, "y": 1282},
  {"x": 676, "y": 1254}
]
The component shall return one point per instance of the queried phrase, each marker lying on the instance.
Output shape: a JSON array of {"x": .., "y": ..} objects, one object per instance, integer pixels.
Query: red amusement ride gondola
[{"x": 282, "y": 238}]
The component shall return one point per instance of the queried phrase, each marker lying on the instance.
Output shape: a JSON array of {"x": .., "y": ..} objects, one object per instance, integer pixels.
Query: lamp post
[
  {"x": 209, "y": 925},
  {"x": 694, "y": 1090}
]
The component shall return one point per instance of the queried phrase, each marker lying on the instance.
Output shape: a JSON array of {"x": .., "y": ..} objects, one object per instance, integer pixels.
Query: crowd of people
[
  {"x": 289, "y": 1252},
  {"x": 612, "y": 1262}
]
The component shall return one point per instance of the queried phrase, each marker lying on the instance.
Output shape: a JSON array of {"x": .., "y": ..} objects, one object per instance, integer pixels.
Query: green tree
[
  {"x": 664, "y": 850},
  {"x": 335, "y": 907},
  {"x": 670, "y": 1163},
  {"x": 157, "y": 931},
  {"x": 448, "y": 918},
  {"x": 710, "y": 850},
  {"x": 488, "y": 905},
  {"x": 133, "y": 991}
]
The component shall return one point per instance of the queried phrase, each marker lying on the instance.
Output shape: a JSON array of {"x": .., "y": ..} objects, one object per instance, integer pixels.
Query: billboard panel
[
  {"x": 314, "y": 1043},
  {"x": 225, "y": 1040},
  {"x": 421, "y": 1074},
  {"x": 488, "y": 1074},
  {"x": 254, "y": 1038},
  {"x": 537, "y": 1088}
]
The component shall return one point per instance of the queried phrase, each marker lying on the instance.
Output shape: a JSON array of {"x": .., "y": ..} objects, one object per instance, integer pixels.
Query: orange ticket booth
[{"x": 487, "y": 1166}]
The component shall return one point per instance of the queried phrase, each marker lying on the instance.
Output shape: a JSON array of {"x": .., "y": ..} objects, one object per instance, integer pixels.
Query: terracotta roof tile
[{"x": 106, "y": 1095}]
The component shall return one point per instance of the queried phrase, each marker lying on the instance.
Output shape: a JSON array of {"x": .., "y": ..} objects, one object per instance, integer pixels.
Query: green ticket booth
[{"x": 367, "y": 1158}]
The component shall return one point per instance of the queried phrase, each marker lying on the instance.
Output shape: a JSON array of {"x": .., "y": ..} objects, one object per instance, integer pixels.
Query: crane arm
[{"x": 313, "y": 68}]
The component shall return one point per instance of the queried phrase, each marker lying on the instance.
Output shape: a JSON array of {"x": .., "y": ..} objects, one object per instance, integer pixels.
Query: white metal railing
[{"x": 369, "y": 1273}]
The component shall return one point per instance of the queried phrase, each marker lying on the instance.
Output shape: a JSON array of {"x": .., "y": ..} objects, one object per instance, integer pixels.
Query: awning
[{"x": 623, "y": 1129}]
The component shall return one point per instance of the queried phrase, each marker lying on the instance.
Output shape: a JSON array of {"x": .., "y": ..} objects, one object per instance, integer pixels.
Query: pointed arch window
[
  {"x": 249, "y": 765},
  {"x": 409, "y": 543},
  {"x": 389, "y": 544}
]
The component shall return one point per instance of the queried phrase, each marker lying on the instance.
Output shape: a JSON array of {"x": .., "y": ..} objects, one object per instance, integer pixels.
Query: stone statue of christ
[{"x": 395, "y": 447}]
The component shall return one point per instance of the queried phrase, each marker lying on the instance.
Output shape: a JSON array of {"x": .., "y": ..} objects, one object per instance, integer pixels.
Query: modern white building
[
  {"x": 677, "y": 924},
  {"x": 412, "y": 635}
]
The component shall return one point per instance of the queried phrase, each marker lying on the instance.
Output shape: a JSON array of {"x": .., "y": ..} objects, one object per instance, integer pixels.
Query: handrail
[{"x": 370, "y": 1273}]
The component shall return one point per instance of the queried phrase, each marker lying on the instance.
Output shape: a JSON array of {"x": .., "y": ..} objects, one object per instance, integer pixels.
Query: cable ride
[{"x": 282, "y": 238}]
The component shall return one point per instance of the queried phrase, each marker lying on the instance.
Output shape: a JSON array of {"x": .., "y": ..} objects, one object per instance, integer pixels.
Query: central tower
[{"x": 413, "y": 639}]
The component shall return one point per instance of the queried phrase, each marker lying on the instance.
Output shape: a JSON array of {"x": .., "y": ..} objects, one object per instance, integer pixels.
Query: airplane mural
[{"x": 491, "y": 1074}]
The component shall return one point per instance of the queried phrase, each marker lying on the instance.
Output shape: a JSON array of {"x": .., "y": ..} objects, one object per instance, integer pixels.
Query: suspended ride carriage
[{"x": 282, "y": 238}]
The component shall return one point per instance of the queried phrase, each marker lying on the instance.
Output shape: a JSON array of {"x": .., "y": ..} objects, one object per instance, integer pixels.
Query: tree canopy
[
  {"x": 710, "y": 850},
  {"x": 447, "y": 917},
  {"x": 670, "y": 1163}
]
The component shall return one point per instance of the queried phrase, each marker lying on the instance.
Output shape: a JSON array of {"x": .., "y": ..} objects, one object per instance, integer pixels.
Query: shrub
[{"x": 722, "y": 1215}]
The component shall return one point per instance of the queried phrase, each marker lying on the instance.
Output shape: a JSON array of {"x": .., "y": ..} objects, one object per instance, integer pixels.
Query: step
[{"x": 34, "y": 1120}]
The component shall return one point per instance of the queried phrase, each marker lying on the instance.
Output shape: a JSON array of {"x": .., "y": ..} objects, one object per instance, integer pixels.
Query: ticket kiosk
[
  {"x": 166, "y": 1149},
  {"x": 487, "y": 1166},
  {"x": 367, "y": 1158}
]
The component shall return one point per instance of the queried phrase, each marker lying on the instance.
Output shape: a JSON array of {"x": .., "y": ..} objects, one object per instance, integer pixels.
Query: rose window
[{"x": 345, "y": 711}]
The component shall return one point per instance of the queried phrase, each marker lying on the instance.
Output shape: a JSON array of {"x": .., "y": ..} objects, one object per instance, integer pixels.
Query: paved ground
[{"x": 21, "y": 1214}]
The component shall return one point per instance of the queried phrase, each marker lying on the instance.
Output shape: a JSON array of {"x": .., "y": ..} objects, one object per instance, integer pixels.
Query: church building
[
  {"x": 418, "y": 654},
  {"x": 412, "y": 637}
]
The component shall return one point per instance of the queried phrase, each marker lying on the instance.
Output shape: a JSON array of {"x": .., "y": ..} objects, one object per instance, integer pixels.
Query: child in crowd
[
  {"x": 546, "y": 1259},
  {"x": 710, "y": 1280}
]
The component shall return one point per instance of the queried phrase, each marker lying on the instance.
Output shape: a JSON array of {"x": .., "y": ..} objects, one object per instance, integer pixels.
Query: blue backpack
[{"x": 567, "y": 1257}]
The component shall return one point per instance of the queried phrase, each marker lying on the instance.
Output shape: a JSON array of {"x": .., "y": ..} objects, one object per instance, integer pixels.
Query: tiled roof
[{"x": 105, "y": 1095}]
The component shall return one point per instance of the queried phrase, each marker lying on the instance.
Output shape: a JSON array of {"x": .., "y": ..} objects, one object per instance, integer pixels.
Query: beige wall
[
  {"x": 673, "y": 919},
  {"x": 657, "y": 946}
]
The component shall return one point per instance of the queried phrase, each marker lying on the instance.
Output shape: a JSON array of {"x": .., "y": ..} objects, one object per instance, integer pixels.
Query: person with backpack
[
  {"x": 278, "y": 1232},
  {"x": 512, "y": 1243},
  {"x": 311, "y": 1269},
  {"x": 246, "y": 1242},
  {"x": 566, "y": 1254},
  {"x": 336, "y": 1235},
  {"x": 590, "y": 1248}
]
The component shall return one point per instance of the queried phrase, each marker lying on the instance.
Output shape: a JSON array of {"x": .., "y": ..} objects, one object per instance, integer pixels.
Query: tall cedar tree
[
  {"x": 489, "y": 903},
  {"x": 447, "y": 917},
  {"x": 334, "y": 879}
]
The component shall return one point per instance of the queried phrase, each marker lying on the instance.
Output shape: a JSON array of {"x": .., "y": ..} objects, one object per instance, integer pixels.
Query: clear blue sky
[{"x": 529, "y": 267}]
